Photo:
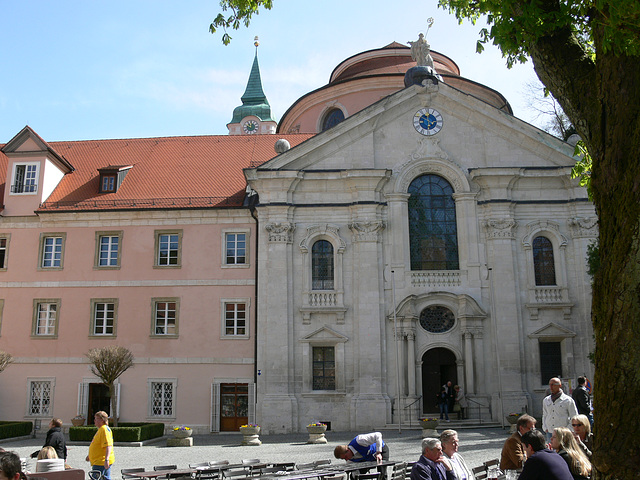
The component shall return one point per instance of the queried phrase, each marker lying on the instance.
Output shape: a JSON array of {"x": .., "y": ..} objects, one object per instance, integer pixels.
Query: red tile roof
[{"x": 168, "y": 172}]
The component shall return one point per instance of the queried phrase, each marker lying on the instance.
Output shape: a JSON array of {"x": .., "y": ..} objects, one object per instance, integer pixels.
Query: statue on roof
[{"x": 421, "y": 52}]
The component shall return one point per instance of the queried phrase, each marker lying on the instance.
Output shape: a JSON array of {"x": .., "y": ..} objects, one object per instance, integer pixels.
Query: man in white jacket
[{"x": 557, "y": 408}]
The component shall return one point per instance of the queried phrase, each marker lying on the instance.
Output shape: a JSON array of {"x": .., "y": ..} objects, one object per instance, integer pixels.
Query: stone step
[{"x": 453, "y": 424}]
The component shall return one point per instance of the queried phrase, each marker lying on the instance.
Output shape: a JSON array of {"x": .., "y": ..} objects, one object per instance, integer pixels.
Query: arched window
[
  {"x": 433, "y": 233},
  {"x": 322, "y": 265},
  {"x": 332, "y": 118},
  {"x": 543, "y": 262}
]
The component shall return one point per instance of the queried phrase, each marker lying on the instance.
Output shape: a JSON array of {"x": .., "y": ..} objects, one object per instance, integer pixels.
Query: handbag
[{"x": 456, "y": 407}]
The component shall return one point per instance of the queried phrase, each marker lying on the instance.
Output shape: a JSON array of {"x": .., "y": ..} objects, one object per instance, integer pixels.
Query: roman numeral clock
[{"x": 427, "y": 121}]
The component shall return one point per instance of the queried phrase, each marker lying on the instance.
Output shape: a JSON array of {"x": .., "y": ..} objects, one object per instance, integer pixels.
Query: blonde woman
[
  {"x": 582, "y": 433},
  {"x": 563, "y": 442},
  {"x": 48, "y": 461},
  {"x": 46, "y": 453}
]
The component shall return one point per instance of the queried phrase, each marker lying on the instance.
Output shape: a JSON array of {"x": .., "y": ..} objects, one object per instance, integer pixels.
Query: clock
[
  {"x": 427, "y": 121},
  {"x": 250, "y": 126}
]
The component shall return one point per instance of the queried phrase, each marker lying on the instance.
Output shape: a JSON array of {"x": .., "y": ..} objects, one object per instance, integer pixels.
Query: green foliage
[
  {"x": 15, "y": 429},
  {"x": 5, "y": 360},
  {"x": 583, "y": 167},
  {"x": 516, "y": 24},
  {"x": 241, "y": 13},
  {"x": 593, "y": 258},
  {"x": 126, "y": 432}
]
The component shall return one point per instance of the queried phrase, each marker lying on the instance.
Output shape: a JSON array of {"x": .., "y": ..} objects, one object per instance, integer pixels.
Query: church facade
[{"x": 429, "y": 237}]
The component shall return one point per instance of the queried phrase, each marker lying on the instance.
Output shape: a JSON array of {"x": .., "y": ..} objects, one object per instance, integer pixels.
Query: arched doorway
[{"x": 438, "y": 367}]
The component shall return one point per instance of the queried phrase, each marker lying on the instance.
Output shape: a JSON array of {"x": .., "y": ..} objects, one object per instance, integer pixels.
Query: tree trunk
[{"x": 113, "y": 401}]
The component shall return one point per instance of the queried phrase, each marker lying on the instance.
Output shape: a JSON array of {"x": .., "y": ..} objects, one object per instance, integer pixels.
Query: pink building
[{"x": 143, "y": 243}]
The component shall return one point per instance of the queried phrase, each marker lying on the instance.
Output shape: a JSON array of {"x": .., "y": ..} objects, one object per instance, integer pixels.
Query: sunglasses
[{"x": 577, "y": 425}]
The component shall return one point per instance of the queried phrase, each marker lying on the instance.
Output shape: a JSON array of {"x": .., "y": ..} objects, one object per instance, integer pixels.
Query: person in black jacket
[{"x": 55, "y": 439}]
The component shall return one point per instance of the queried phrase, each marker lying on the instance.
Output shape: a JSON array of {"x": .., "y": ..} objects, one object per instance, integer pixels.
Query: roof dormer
[
  {"x": 34, "y": 170},
  {"x": 111, "y": 177}
]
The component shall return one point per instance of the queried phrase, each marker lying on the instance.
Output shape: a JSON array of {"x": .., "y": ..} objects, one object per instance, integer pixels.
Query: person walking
[{"x": 101, "y": 454}]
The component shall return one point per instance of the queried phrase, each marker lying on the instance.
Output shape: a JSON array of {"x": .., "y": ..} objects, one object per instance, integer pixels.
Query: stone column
[
  {"x": 398, "y": 233},
  {"x": 468, "y": 362},
  {"x": 411, "y": 363}
]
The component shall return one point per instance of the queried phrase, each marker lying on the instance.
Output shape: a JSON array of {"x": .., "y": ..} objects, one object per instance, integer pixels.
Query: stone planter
[
  {"x": 182, "y": 433},
  {"x": 316, "y": 433},
  {"x": 77, "y": 422},
  {"x": 429, "y": 428},
  {"x": 512, "y": 419},
  {"x": 250, "y": 436}
]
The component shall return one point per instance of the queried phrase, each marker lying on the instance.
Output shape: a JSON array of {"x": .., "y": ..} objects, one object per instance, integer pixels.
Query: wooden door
[{"x": 234, "y": 406}]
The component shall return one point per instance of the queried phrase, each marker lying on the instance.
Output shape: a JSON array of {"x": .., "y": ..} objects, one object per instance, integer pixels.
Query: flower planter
[
  {"x": 316, "y": 433},
  {"x": 512, "y": 419},
  {"x": 250, "y": 436},
  {"x": 429, "y": 428},
  {"x": 77, "y": 422},
  {"x": 182, "y": 433}
]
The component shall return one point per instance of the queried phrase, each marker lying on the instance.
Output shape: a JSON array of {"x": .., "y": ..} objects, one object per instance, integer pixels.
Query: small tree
[
  {"x": 108, "y": 364},
  {"x": 5, "y": 360}
]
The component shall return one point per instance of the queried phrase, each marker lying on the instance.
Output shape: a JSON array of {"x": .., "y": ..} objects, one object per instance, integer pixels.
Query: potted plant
[
  {"x": 182, "y": 431},
  {"x": 77, "y": 421},
  {"x": 316, "y": 432},
  {"x": 429, "y": 425},
  {"x": 250, "y": 434},
  {"x": 512, "y": 418}
]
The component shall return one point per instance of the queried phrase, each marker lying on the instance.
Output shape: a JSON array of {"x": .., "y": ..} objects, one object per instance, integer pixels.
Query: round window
[{"x": 437, "y": 319}]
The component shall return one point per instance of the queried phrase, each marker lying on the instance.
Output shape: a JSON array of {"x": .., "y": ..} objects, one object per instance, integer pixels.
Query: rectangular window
[
  {"x": 25, "y": 178},
  {"x": 45, "y": 317},
  {"x": 235, "y": 319},
  {"x": 165, "y": 319},
  {"x": 108, "y": 248},
  {"x": 104, "y": 314},
  {"x": 236, "y": 248},
  {"x": 40, "y": 395},
  {"x": 162, "y": 399},
  {"x": 550, "y": 361},
  {"x": 324, "y": 368},
  {"x": 4, "y": 250},
  {"x": 51, "y": 254},
  {"x": 168, "y": 249},
  {"x": 108, "y": 183}
]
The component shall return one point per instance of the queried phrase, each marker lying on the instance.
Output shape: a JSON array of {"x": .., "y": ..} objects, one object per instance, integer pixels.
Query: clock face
[
  {"x": 250, "y": 126},
  {"x": 427, "y": 121}
]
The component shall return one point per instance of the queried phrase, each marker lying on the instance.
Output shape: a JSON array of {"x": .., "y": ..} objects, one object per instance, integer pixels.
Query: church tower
[{"x": 254, "y": 115}]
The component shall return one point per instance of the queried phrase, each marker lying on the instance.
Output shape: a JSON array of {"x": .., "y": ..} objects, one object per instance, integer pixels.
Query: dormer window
[
  {"x": 25, "y": 178},
  {"x": 111, "y": 177}
]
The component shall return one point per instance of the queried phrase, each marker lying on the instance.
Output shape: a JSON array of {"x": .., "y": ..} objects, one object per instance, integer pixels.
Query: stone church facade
[{"x": 431, "y": 236}]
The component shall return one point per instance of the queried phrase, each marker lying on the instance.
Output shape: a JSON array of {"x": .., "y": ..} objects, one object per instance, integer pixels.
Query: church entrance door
[{"x": 438, "y": 367}]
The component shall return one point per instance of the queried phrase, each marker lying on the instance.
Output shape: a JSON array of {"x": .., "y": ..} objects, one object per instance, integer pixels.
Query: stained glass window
[
  {"x": 543, "y": 263},
  {"x": 433, "y": 231},
  {"x": 322, "y": 265},
  {"x": 332, "y": 118},
  {"x": 324, "y": 368},
  {"x": 437, "y": 319}
]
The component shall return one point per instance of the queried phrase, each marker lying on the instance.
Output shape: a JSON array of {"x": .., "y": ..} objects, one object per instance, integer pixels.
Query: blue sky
[{"x": 93, "y": 69}]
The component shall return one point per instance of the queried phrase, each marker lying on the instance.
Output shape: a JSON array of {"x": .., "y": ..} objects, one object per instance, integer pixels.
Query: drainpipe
[{"x": 253, "y": 201}]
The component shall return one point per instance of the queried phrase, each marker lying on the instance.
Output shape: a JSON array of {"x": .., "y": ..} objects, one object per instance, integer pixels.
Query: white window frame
[
  {"x": 43, "y": 250},
  {"x": 94, "y": 305},
  {"x": 225, "y": 235},
  {"x": 150, "y": 390},
  {"x": 35, "y": 176},
  {"x": 154, "y": 317},
  {"x": 223, "y": 306},
  {"x": 52, "y": 331},
  {"x": 48, "y": 412},
  {"x": 99, "y": 237},
  {"x": 7, "y": 240},
  {"x": 158, "y": 241}
]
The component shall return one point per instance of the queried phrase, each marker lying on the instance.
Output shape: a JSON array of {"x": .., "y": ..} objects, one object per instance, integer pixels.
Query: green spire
[{"x": 254, "y": 101}]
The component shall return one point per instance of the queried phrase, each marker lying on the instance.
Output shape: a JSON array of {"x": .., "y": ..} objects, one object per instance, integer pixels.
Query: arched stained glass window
[
  {"x": 332, "y": 118},
  {"x": 433, "y": 232},
  {"x": 322, "y": 265},
  {"x": 437, "y": 319},
  {"x": 543, "y": 262}
]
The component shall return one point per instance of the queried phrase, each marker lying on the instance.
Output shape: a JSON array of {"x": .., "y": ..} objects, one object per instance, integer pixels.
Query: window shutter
[
  {"x": 215, "y": 407},
  {"x": 83, "y": 399},
  {"x": 252, "y": 403}
]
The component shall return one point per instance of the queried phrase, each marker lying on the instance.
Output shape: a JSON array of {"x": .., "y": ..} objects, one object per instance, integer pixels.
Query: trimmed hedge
[
  {"x": 15, "y": 429},
  {"x": 124, "y": 432}
]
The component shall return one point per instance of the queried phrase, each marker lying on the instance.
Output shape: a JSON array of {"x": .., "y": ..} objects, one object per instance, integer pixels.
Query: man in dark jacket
[
  {"x": 542, "y": 463},
  {"x": 582, "y": 398},
  {"x": 55, "y": 439}
]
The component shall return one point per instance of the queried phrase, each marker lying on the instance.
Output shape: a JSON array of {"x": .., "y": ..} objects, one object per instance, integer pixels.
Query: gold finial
[{"x": 255, "y": 41}]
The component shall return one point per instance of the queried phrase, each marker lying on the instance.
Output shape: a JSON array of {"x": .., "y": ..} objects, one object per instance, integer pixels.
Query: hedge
[
  {"x": 15, "y": 429},
  {"x": 124, "y": 432}
]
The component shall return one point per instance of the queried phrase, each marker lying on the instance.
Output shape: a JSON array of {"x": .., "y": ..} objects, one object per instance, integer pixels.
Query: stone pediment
[
  {"x": 325, "y": 334},
  {"x": 551, "y": 331}
]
